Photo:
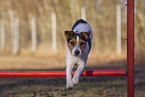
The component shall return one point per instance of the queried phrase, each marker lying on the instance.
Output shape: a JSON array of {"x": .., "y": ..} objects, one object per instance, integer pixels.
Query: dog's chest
[{"x": 75, "y": 60}]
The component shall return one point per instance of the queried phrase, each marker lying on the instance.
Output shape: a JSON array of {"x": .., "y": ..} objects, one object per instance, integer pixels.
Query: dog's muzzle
[{"x": 77, "y": 52}]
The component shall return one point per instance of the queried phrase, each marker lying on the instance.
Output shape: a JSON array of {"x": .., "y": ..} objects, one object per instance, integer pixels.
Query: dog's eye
[
  {"x": 82, "y": 43},
  {"x": 72, "y": 43}
]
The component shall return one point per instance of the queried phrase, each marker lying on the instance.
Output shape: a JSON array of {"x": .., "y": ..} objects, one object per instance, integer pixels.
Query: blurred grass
[
  {"x": 40, "y": 61},
  {"x": 88, "y": 87}
]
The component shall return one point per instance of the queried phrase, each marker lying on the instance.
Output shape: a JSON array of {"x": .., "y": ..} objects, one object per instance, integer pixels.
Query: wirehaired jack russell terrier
[{"x": 78, "y": 48}]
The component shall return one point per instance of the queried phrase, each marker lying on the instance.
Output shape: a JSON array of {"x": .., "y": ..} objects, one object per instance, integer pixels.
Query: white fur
[
  {"x": 81, "y": 59},
  {"x": 76, "y": 48}
]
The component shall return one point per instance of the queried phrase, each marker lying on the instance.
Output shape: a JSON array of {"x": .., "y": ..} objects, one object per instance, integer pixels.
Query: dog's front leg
[
  {"x": 78, "y": 72},
  {"x": 69, "y": 83}
]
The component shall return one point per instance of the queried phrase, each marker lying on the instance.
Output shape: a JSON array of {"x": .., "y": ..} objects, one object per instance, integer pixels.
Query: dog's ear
[
  {"x": 85, "y": 35},
  {"x": 68, "y": 34}
]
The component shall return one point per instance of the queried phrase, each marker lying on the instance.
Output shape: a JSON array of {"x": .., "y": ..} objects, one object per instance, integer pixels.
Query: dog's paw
[
  {"x": 69, "y": 86},
  {"x": 75, "y": 81}
]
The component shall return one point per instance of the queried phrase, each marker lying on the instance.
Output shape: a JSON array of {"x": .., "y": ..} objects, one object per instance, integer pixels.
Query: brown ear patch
[
  {"x": 72, "y": 43},
  {"x": 85, "y": 35},
  {"x": 82, "y": 44},
  {"x": 68, "y": 34}
]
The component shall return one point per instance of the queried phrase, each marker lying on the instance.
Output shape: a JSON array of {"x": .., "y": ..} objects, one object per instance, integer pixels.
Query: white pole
[
  {"x": 18, "y": 41},
  {"x": 33, "y": 28},
  {"x": 83, "y": 13},
  {"x": 12, "y": 13},
  {"x": 54, "y": 39},
  {"x": 2, "y": 26},
  {"x": 118, "y": 29},
  {"x": 16, "y": 35}
]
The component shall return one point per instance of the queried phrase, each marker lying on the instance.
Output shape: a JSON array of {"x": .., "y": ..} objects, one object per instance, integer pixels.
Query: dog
[{"x": 78, "y": 48}]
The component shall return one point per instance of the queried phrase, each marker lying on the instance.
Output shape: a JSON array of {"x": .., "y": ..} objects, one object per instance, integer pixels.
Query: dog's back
[{"x": 82, "y": 26}]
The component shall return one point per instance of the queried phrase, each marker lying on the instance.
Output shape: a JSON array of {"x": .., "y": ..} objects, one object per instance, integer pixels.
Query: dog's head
[{"x": 76, "y": 42}]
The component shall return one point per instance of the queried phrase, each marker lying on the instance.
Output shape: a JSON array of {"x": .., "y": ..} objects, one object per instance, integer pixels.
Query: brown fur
[
  {"x": 82, "y": 44},
  {"x": 83, "y": 36},
  {"x": 68, "y": 34},
  {"x": 72, "y": 43}
]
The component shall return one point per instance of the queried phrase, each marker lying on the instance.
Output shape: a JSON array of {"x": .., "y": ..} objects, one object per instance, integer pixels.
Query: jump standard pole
[{"x": 130, "y": 48}]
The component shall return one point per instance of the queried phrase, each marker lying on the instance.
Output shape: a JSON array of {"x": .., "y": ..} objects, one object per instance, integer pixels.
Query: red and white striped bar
[{"x": 61, "y": 73}]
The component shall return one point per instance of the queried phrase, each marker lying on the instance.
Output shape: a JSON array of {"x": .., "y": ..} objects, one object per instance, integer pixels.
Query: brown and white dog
[{"x": 78, "y": 48}]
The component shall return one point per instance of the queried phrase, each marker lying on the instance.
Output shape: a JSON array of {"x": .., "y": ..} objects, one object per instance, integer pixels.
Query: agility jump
[{"x": 129, "y": 73}]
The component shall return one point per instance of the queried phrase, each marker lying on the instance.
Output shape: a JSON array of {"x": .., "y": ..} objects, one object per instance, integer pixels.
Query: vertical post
[
  {"x": 16, "y": 35},
  {"x": 2, "y": 27},
  {"x": 54, "y": 39},
  {"x": 118, "y": 7},
  {"x": 33, "y": 29},
  {"x": 12, "y": 13},
  {"x": 83, "y": 13},
  {"x": 130, "y": 48}
]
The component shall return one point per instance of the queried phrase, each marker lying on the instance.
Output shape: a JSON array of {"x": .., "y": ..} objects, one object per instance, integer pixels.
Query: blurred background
[{"x": 35, "y": 27}]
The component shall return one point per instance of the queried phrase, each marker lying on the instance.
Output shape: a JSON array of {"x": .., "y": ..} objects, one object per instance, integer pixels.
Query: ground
[{"x": 55, "y": 87}]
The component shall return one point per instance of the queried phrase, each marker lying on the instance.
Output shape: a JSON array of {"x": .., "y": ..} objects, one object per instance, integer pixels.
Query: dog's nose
[{"x": 77, "y": 52}]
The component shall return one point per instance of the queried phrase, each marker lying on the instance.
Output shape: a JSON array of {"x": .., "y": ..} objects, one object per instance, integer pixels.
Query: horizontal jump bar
[{"x": 61, "y": 73}]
